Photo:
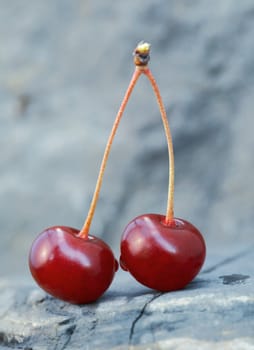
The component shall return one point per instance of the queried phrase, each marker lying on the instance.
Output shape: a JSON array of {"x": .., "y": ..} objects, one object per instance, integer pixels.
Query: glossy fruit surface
[
  {"x": 69, "y": 267},
  {"x": 162, "y": 257}
]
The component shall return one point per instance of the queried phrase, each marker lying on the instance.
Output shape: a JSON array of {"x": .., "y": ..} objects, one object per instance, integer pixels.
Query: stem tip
[{"x": 142, "y": 54}]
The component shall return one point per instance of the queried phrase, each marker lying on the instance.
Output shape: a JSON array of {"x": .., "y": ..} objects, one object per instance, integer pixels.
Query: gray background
[{"x": 64, "y": 68}]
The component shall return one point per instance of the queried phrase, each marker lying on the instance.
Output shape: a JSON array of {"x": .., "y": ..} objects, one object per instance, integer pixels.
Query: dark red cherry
[
  {"x": 162, "y": 257},
  {"x": 71, "y": 268}
]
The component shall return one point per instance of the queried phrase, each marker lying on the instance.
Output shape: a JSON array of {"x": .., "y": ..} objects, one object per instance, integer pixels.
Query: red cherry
[
  {"x": 69, "y": 267},
  {"x": 162, "y": 256}
]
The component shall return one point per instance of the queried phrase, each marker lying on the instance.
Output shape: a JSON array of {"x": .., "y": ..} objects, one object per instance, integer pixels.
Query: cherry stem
[
  {"x": 141, "y": 59},
  {"x": 170, "y": 202},
  {"x": 85, "y": 229}
]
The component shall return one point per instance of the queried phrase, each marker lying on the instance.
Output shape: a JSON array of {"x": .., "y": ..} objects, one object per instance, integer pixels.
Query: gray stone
[
  {"x": 214, "y": 312},
  {"x": 64, "y": 68}
]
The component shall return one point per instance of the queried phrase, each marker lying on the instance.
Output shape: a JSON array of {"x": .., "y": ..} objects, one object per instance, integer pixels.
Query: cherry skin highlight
[
  {"x": 74, "y": 269},
  {"x": 161, "y": 256}
]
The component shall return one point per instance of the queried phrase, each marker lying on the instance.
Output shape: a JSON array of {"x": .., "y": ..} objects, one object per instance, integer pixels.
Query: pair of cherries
[{"x": 161, "y": 252}]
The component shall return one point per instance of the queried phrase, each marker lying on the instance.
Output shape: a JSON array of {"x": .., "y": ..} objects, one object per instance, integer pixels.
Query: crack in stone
[
  {"x": 94, "y": 325},
  {"x": 235, "y": 278},
  {"x": 66, "y": 321},
  {"x": 227, "y": 261},
  {"x": 140, "y": 315},
  {"x": 68, "y": 332}
]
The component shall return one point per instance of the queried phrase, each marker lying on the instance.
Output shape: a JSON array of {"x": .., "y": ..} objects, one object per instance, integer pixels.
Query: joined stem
[{"x": 141, "y": 59}]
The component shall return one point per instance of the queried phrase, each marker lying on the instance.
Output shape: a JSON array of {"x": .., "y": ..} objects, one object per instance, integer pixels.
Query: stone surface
[
  {"x": 214, "y": 312},
  {"x": 64, "y": 67}
]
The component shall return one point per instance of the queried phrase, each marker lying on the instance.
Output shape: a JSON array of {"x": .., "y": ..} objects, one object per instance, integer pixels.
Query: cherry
[
  {"x": 162, "y": 252},
  {"x": 161, "y": 256},
  {"x": 73, "y": 265},
  {"x": 69, "y": 267}
]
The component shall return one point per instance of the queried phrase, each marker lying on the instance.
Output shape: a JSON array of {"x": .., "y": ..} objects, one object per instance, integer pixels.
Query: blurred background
[{"x": 64, "y": 68}]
